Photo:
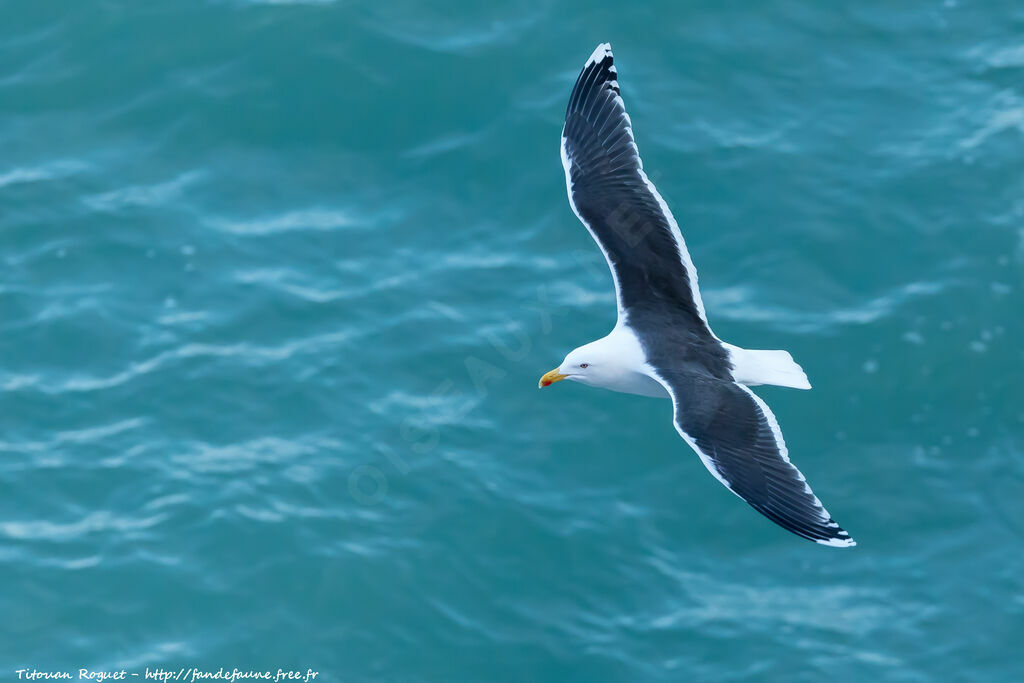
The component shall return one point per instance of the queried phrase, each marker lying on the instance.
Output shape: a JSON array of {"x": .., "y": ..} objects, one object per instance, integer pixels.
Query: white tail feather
[{"x": 758, "y": 366}]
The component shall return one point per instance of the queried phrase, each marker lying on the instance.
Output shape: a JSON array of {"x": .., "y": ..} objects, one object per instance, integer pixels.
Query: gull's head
[{"x": 587, "y": 364}]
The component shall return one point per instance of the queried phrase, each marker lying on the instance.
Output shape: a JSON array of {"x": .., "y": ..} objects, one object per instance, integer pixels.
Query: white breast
[{"x": 636, "y": 383}]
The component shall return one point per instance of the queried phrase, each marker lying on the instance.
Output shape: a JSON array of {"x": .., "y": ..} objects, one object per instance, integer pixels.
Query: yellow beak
[{"x": 550, "y": 378}]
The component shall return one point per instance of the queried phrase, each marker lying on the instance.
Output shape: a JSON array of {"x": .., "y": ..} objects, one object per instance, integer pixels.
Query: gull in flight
[{"x": 662, "y": 344}]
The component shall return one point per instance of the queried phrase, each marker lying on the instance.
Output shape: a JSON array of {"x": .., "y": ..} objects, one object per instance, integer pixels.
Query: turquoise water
[{"x": 278, "y": 280}]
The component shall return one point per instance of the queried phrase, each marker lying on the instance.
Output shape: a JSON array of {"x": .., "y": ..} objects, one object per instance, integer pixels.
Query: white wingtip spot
[
  {"x": 837, "y": 542},
  {"x": 602, "y": 50}
]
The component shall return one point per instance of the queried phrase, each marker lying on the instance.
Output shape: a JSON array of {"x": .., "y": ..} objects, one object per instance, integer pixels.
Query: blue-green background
[{"x": 277, "y": 281}]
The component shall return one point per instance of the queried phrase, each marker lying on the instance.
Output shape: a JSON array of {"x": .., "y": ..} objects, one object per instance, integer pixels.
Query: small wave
[
  {"x": 737, "y": 303},
  {"x": 443, "y": 145},
  {"x": 439, "y": 33},
  {"x": 100, "y": 433},
  {"x": 96, "y": 522},
  {"x": 1007, "y": 114},
  {"x": 204, "y": 457},
  {"x": 49, "y": 171},
  {"x": 291, "y": 221},
  {"x": 279, "y": 279},
  {"x": 732, "y": 135},
  {"x": 864, "y": 610},
  {"x": 1000, "y": 58},
  {"x": 47, "y": 68},
  {"x": 249, "y": 353},
  {"x": 157, "y": 194}
]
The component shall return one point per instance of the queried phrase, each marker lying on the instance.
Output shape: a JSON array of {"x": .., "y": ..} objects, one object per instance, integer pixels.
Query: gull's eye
[{"x": 584, "y": 365}]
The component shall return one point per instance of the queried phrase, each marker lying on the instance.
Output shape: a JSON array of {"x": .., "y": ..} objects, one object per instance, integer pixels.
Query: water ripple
[
  {"x": 243, "y": 352},
  {"x": 156, "y": 194},
  {"x": 299, "y": 220},
  {"x": 54, "y": 170},
  {"x": 738, "y": 303},
  {"x": 98, "y": 522}
]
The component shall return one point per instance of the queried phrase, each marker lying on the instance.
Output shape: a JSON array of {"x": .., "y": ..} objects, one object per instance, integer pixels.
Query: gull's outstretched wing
[
  {"x": 612, "y": 196},
  {"x": 739, "y": 441}
]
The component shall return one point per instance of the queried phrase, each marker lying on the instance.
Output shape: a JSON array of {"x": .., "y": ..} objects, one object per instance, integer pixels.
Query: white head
[
  {"x": 615, "y": 362},
  {"x": 596, "y": 364}
]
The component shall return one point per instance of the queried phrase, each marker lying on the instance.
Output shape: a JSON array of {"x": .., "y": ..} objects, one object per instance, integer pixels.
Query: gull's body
[{"x": 662, "y": 344}]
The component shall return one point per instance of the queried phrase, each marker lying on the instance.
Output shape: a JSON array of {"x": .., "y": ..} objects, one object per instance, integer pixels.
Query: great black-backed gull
[{"x": 662, "y": 344}]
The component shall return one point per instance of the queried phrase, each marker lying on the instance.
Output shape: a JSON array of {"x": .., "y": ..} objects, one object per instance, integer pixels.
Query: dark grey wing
[
  {"x": 621, "y": 208},
  {"x": 738, "y": 439}
]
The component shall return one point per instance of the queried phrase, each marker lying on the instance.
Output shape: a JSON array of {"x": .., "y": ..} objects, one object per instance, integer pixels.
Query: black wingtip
[
  {"x": 596, "y": 75},
  {"x": 794, "y": 519}
]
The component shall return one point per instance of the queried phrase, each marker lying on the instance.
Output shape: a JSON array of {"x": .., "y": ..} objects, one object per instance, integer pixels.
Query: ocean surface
[{"x": 278, "y": 279}]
